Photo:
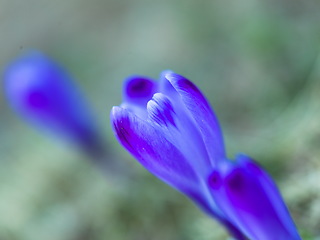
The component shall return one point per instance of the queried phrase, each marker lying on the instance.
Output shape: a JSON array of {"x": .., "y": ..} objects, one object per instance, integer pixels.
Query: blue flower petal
[
  {"x": 202, "y": 114},
  {"x": 179, "y": 129},
  {"x": 152, "y": 149},
  {"x": 160, "y": 111}
]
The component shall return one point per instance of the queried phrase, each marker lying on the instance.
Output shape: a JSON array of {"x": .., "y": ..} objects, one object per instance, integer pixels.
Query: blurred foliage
[{"x": 256, "y": 61}]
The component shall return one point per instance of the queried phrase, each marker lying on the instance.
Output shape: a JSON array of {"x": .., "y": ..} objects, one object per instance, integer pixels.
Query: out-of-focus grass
[{"x": 255, "y": 60}]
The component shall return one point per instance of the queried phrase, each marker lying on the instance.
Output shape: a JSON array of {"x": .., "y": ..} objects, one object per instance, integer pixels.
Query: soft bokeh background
[{"x": 257, "y": 62}]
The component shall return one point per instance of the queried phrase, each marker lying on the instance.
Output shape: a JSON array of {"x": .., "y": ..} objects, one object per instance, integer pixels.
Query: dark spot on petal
[
  {"x": 215, "y": 180},
  {"x": 236, "y": 180},
  {"x": 37, "y": 100},
  {"x": 139, "y": 87}
]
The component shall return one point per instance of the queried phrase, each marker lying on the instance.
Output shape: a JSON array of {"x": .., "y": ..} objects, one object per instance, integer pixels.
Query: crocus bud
[
  {"x": 41, "y": 92},
  {"x": 250, "y": 199}
]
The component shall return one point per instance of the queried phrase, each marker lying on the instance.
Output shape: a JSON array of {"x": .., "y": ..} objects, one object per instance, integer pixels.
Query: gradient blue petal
[
  {"x": 179, "y": 129},
  {"x": 201, "y": 112},
  {"x": 153, "y": 150},
  {"x": 250, "y": 199},
  {"x": 43, "y": 93}
]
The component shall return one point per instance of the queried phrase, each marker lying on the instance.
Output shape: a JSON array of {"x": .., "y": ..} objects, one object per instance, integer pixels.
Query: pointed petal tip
[
  {"x": 118, "y": 114},
  {"x": 184, "y": 85},
  {"x": 160, "y": 110},
  {"x": 115, "y": 110},
  {"x": 200, "y": 110},
  {"x": 172, "y": 76},
  {"x": 121, "y": 124},
  {"x": 166, "y": 73}
]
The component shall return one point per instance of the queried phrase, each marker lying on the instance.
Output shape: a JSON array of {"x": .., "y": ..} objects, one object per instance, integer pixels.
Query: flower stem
[{"x": 233, "y": 231}]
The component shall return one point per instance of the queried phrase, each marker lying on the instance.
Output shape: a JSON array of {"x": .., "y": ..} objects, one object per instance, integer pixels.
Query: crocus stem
[
  {"x": 233, "y": 231},
  {"x": 231, "y": 228}
]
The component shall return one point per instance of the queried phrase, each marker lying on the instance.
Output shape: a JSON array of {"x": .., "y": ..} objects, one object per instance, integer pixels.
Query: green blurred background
[{"x": 257, "y": 62}]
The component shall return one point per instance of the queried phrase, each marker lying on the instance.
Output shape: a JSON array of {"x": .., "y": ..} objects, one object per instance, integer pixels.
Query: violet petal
[
  {"x": 152, "y": 149},
  {"x": 179, "y": 129},
  {"x": 243, "y": 195},
  {"x": 203, "y": 115}
]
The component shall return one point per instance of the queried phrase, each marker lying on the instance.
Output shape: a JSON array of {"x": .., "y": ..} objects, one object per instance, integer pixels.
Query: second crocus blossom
[
  {"x": 172, "y": 131},
  {"x": 43, "y": 93},
  {"x": 249, "y": 198}
]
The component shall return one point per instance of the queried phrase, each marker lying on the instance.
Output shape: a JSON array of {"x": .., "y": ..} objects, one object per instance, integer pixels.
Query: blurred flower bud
[{"x": 43, "y": 93}]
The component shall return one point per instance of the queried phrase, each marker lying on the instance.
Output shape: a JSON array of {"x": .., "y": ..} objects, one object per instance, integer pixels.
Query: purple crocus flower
[
  {"x": 43, "y": 93},
  {"x": 172, "y": 131}
]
